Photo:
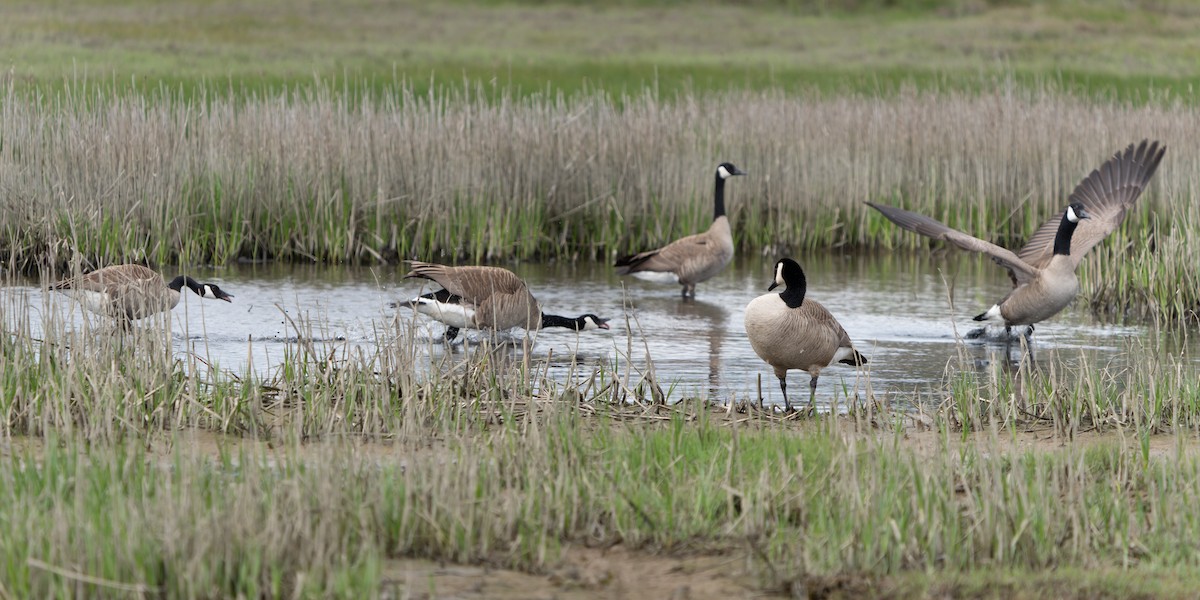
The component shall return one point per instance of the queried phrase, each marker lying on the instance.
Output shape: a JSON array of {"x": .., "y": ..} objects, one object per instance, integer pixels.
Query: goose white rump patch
[
  {"x": 454, "y": 315},
  {"x": 97, "y": 302},
  {"x": 657, "y": 276},
  {"x": 993, "y": 314}
]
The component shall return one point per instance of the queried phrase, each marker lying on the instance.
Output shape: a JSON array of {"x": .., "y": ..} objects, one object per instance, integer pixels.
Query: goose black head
[
  {"x": 726, "y": 170},
  {"x": 212, "y": 291},
  {"x": 590, "y": 321},
  {"x": 204, "y": 290},
  {"x": 582, "y": 323},
  {"x": 1075, "y": 212},
  {"x": 789, "y": 273}
]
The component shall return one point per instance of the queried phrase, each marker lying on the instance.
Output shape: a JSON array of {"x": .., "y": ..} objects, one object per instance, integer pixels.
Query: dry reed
[{"x": 313, "y": 175}]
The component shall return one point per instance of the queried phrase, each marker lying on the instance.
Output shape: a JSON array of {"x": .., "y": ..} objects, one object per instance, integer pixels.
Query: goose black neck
[
  {"x": 182, "y": 280},
  {"x": 719, "y": 202},
  {"x": 557, "y": 321},
  {"x": 1062, "y": 240},
  {"x": 797, "y": 285}
]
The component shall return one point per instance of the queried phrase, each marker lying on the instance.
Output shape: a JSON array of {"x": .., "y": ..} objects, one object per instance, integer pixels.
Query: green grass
[
  {"x": 812, "y": 504},
  {"x": 128, "y": 467},
  {"x": 1092, "y": 47}
]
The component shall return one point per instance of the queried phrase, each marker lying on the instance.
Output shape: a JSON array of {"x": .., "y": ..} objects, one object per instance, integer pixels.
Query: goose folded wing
[
  {"x": 472, "y": 284},
  {"x": 686, "y": 249}
]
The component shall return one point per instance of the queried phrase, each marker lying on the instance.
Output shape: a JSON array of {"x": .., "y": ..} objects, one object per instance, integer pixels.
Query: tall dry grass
[{"x": 320, "y": 176}]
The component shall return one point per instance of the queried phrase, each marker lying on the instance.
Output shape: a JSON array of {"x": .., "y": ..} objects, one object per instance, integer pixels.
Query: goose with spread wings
[{"x": 1043, "y": 272}]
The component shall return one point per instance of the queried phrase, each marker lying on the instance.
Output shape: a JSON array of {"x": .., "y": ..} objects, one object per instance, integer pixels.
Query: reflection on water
[{"x": 907, "y": 314}]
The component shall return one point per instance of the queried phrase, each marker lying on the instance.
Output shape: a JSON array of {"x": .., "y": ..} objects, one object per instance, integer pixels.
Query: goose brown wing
[
  {"x": 1106, "y": 194},
  {"x": 672, "y": 257},
  {"x": 686, "y": 254},
  {"x": 112, "y": 278},
  {"x": 1020, "y": 271},
  {"x": 473, "y": 284},
  {"x": 502, "y": 299}
]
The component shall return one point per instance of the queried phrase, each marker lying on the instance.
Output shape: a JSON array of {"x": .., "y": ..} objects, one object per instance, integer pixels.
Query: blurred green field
[{"x": 1139, "y": 50}]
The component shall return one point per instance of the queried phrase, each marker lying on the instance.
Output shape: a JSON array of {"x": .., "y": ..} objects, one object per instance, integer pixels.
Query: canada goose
[
  {"x": 486, "y": 298},
  {"x": 789, "y": 332},
  {"x": 1043, "y": 272},
  {"x": 131, "y": 292},
  {"x": 694, "y": 258}
]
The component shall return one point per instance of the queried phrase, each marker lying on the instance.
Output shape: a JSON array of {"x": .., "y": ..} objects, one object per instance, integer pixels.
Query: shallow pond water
[{"x": 897, "y": 310}]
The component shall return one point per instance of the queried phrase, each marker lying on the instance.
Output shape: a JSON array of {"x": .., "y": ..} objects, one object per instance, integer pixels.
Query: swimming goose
[
  {"x": 1043, "y": 272},
  {"x": 694, "y": 258},
  {"x": 486, "y": 298},
  {"x": 131, "y": 292},
  {"x": 789, "y": 331}
]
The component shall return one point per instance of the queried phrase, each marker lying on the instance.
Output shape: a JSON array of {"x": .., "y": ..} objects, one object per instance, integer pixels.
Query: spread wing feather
[
  {"x": 1020, "y": 270},
  {"x": 1107, "y": 194}
]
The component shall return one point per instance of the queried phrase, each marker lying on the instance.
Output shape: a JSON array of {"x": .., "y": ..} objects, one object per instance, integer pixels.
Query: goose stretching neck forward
[
  {"x": 789, "y": 331},
  {"x": 694, "y": 258},
  {"x": 131, "y": 292},
  {"x": 486, "y": 298},
  {"x": 1043, "y": 272}
]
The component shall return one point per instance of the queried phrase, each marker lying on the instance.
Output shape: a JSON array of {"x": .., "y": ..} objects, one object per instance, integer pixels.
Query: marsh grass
[
  {"x": 819, "y": 501},
  {"x": 353, "y": 455},
  {"x": 311, "y": 175}
]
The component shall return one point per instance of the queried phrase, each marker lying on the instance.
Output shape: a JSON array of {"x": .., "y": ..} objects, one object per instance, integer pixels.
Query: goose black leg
[
  {"x": 812, "y": 395},
  {"x": 787, "y": 406},
  {"x": 451, "y": 333}
]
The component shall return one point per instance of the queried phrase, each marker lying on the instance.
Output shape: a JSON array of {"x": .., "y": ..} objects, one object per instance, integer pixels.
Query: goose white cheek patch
[{"x": 723, "y": 172}]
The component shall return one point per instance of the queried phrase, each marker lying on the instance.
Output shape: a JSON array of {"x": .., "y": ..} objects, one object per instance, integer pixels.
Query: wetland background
[{"x": 304, "y": 442}]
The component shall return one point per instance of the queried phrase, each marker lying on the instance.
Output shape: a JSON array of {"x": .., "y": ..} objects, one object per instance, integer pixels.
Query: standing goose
[
  {"x": 131, "y": 292},
  {"x": 486, "y": 298},
  {"x": 1043, "y": 272},
  {"x": 694, "y": 258},
  {"x": 789, "y": 332}
]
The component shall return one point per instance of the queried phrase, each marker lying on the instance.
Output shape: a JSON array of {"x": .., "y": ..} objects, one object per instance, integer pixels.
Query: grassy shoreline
[
  {"x": 802, "y": 505},
  {"x": 128, "y": 466}
]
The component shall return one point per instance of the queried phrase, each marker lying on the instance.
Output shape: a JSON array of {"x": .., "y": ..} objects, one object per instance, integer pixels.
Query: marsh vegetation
[
  {"x": 132, "y": 469},
  {"x": 134, "y": 465},
  {"x": 311, "y": 176}
]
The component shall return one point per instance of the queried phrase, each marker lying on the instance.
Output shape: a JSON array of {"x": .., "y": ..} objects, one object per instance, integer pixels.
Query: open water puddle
[{"x": 897, "y": 310}]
